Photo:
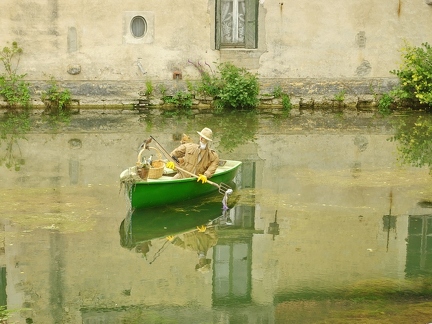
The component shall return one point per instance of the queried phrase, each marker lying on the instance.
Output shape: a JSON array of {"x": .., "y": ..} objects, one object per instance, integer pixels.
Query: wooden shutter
[
  {"x": 251, "y": 25},
  {"x": 218, "y": 25}
]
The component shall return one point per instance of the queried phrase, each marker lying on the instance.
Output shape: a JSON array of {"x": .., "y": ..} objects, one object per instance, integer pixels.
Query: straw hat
[{"x": 206, "y": 133}]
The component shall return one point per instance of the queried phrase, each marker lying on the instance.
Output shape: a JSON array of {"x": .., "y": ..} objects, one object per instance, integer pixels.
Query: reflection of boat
[
  {"x": 166, "y": 190},
  {"x": 148, "y": 224}
]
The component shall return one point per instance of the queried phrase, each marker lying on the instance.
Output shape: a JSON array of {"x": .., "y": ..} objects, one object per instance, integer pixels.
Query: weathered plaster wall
[
  {"x": 338, "y": 39},
  {"x": 323, "y": 41}
]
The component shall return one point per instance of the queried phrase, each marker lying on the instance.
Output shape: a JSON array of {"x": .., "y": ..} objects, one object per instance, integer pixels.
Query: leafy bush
[
  {"x": 277, "y": 92},
  {"x": 240, "y": 88},
  {"x": 286, "y": 103},
  {"x": 149, "y": 88},
  {"x": 56, "y": 99},
  {"x": 286, "y": 99},
  {"x": 231, "y": 86},
  {"x": 340, "y": 96},
  {"x": 14, "y": 90},
  {"x": 162, "y": 90},
  {"x": 415, "y": 74},
  {"x": 181, "y": 100},
  {"x": 384, "y": 104}
]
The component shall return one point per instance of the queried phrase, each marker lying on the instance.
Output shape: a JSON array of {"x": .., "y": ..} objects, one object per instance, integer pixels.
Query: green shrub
[
  {"x": 415, "y": 74},
  {"x": 162, "y": 90},
  {"x": 286, "y": 103},
  {"x": 181, "y": 100},
  {"x": 277, "y": 92},
  {"x": 231, "y": 87},
  {"x": 56, "y": 99},
  {"x": 210, "y": 85},
  {"x": 385, "y": 103},
  {"x": 240, "y": 88},
  {"x": 149, "y": 88},
  {"x": 340, "y": 96},
  {"x": 14, "y": 90}
]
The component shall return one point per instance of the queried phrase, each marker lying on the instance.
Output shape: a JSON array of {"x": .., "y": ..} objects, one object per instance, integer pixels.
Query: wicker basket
[
  {"x": 157, "y": 169},
  {"x": 157, "y": 166}
]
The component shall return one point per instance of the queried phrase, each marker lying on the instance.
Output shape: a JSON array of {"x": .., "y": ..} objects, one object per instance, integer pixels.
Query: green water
[{"x": 326, "y": 225}]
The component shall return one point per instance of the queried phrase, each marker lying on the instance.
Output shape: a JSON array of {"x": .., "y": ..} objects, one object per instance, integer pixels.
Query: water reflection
[
  {"x": 13, "y": 128},
  {"x": 324, "y": 225},
  {"x": 235, "y": 134},
  {"x": 419, "y": 248},
  {"x": 414, "y": 138},
  {"x": 142, "y": 226}
]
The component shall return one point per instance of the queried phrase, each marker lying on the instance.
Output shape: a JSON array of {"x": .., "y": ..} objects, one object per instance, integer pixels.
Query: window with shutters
[{"x": 236, "y": 24}]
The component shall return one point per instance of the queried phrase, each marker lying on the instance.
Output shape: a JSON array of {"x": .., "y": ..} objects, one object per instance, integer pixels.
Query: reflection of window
[
  {"x": 138, "y": 26},
  {"x": 236, "y": 23},
  {"x": 232, "y": 272},
  {"x": 419, "y": 249},
  {"x": 3, "y": 283}
]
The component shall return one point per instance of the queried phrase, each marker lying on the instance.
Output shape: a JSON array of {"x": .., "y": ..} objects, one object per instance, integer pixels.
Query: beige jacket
[{"x": 188, "y": 157}]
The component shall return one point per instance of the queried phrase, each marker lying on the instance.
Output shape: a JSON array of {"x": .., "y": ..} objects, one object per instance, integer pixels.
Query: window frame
[
  {"x": 129, "y": 37},
  {"x": 251, "y": 26},
  {"x": 144, "y": 22}
]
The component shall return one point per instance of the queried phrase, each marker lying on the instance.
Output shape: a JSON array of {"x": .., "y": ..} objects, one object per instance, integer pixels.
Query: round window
[{"x": 138, "y": 26}]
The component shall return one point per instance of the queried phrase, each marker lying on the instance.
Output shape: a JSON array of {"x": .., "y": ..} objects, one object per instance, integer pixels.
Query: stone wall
[{"x": 301, "y": 91}]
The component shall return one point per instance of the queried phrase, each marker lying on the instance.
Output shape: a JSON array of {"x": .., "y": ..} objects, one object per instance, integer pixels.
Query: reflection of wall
[
  {"x": 331, "y": 222},
  {"x": 331, "y": 218}
]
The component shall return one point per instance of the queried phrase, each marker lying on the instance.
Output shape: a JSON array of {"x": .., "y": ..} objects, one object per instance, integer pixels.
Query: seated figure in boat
[{"x": 196, "y": 158}]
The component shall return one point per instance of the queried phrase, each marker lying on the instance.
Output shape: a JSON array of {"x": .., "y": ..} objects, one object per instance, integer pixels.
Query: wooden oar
[{"x": 223, "y": 188}]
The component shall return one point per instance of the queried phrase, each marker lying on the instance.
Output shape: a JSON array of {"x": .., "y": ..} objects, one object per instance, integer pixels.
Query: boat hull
[{"x": 166, "y": 190}]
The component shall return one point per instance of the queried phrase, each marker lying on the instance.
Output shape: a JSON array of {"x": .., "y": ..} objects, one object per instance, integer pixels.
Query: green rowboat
[{"x": 165, "y": 190}]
